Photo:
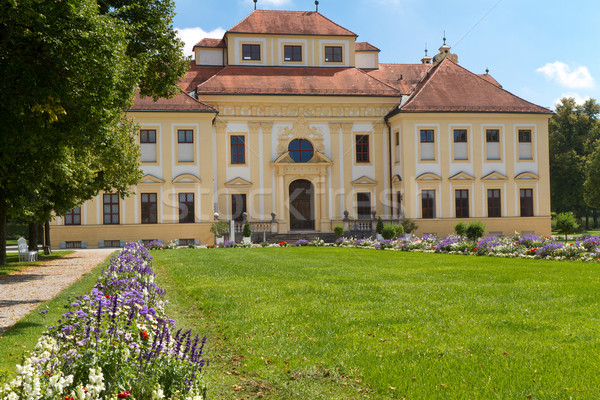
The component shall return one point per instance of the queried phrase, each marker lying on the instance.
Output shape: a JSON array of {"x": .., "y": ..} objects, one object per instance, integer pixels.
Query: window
[
  {"x": 363, "y": 205},
  {"x": 300, "y": 150},
  {"x": 362, "y": 148},
  {"x": 292, "y": 53},
  {"x": 186, "y": 208},
  {"x": 149, "y": 207},
  {"x": 427, "y": 136},
  {"x": 185, "y": 145},
  {"x": 148, "y": 145},
  {"x": 397, "y": 134},
  {"x": 333, "y": 54},
  {"x": 251, "y": 52},
  {"x": 461, "y": 151},
  {"x": 462, "y": 203},
  {"x": 428, "y": 204},
  {"x": 427, "y": 139},
  {"x": 111, "y": 208},
  {"x": 238, "y": 206},
  {"x": 525, "y": 152},
  {"x": 492, "y": 138},
  {"x": 493, "y": 196},
  {"x": 398, "y": 204},
  {"x": 73, "y": 217},
  {"x": 526, "y": 202},
  {"x": 238, "y": 152}
]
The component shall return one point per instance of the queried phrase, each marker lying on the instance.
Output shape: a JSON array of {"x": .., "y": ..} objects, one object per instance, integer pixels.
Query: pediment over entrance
[
  {"x": 462, "y": 176},
  {"x": 396, "y": 179},
  {"x": 238, "y": 182},
  {"x": 148, "y": 178},
  {"x": 186, "y": 178},
  {"x": 429, "y": 176},
  {"x": 364, "y": 181},
  {"x": 526, "y": 176},
  {"x": 318, "y": 158},
  {"x": 494, "y": 176}
]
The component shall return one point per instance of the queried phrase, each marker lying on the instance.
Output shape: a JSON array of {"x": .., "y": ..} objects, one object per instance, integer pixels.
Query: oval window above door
[{"x": 301, "y": 150}]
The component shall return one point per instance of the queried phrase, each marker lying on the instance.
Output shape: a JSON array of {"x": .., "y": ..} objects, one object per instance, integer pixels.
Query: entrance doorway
[{"x": 302, "y": 205}]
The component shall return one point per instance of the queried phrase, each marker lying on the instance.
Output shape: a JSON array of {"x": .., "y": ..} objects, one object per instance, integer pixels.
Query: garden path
[{"x": 21, "y": 292}]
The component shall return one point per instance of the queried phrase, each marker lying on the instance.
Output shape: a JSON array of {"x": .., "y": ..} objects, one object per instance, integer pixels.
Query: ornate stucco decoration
[{"x": 300, "y": 130}]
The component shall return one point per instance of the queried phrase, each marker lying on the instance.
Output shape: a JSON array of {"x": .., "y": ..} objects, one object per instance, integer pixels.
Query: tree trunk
[
  {"x": 3, "y": 213},
  {"x": 33, "y": 236},
  {"x": 47, "y": 246}
]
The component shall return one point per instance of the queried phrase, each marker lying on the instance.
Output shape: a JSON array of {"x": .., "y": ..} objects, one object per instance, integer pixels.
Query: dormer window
[
  {"x": 333, "y": 53},
  {"x": 251, "y": 52},
  {"x": 292, "y": 53}
]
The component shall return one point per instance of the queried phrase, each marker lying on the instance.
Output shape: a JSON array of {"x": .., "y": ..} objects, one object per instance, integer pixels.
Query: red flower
[
  {"x": 69, "y": 398},
  {"x": 143, "y": 335},
  {"x": 107, "y": 295},
  {"x": 124, "y": 395}
]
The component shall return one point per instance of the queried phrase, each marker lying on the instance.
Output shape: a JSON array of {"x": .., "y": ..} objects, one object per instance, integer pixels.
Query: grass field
[
  {"x": 25, "y": 333},
  {"x": 330, "y": 323},
  {"x": 13, "y": 264}
]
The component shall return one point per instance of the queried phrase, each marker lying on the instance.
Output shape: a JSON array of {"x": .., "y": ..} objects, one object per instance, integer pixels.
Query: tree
[
  {"x": 70, "y": 70},
  {"x": 572, "y": 133},
  {"x": 591, "y": 186},
  {"x": 475, "y": 230},
  {"x": 565, "y": 223}
]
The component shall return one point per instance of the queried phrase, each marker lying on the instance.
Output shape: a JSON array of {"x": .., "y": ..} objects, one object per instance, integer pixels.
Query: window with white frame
[
  {"x": 185, "y": 145},
  {"x": 525, "y": 140},
  {"x": 492, "y": 142},
  {"x": 148, "y": 145},
  {"x": 461, "y": 150},
  {"x": 427, "y": 139}
]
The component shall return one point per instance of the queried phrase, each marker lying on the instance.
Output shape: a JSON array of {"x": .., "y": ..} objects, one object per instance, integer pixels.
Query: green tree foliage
[
  {"x": 565, "y": 223},
  {"x": 70, "y": 69},
  {"x": 573, "y": 131},
  {"x": 247, "y": 231},
  {"x": 379, "y": 226},
  {"x": 460, "y": 229},
  {"x": 475, "y": 230}
]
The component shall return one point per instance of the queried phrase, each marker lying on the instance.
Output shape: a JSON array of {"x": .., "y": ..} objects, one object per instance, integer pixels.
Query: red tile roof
[
  {"x": 196, "y": 75},
  {"x": 297, "y": 81},
  {"x": 450, "y": 87},
  {"x": 490, "y": 79},
  {"x": 411, "y": 75},
  {"x": 289, "y": 23},
  {"x": 208, "y": 42},
  {"x": 181, "y": 102},
  {"x": 365, "y": 46}
]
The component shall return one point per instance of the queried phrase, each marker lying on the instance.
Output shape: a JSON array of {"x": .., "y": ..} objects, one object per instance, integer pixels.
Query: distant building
[{"x": 288, "y": 115}]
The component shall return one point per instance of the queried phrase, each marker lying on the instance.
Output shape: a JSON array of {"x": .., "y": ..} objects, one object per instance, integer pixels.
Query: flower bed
[
  {"x": 115, "y": 342},
  {"x": 530, "y": 246}
]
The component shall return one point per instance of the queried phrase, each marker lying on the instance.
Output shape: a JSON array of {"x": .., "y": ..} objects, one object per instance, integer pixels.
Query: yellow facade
[{"x": 392, "y": 171}]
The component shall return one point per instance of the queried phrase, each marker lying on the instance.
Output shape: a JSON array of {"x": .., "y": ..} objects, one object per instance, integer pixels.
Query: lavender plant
[{"x": 115, "y": 342}]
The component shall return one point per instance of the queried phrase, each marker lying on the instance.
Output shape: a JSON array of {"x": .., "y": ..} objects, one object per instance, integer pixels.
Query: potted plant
[
  {"x": 247, "y": 232},
  {"x": 339, "y": 230},
  {"x": 219, "y": 228},
  {"x": 409, "y": 227},
  {"x": 379, "y": 229}
]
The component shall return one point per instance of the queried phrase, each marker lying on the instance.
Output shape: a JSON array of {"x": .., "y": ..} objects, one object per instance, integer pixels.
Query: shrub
[
  {"x": 475, "y": 230},
  {"x": 409, "y": 225},
  {"x": 339, "y": 230},
  {"x": 379, "y": 227},
  {"x": 247, "y": 232},
  {"x": 388, "y": 232},
  {"x": 191, "y": 246},
  {"x": 460, "y": 229},
  {"x": 219, "y": 228},
  {"x": 398, "y": 230},
  {"x": 565, "y": 223}
]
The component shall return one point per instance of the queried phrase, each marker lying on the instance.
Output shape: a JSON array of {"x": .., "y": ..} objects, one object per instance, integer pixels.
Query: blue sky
[{"x": 540, "y": 50}]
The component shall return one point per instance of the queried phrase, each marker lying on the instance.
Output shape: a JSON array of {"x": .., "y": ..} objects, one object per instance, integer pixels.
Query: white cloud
[
  {"x": 275, "y": 3},
  {"x": 579, "y": 99},
  {"x": 191, "y": 36},
  {"x": 576, "y": 78}
]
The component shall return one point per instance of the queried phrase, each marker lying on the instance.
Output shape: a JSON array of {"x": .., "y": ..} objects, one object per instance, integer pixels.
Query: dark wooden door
[{"x": 302, "y": 213}]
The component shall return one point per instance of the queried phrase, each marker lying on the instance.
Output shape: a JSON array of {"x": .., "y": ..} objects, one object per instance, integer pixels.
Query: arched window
[{"x": 301, "y": 150}]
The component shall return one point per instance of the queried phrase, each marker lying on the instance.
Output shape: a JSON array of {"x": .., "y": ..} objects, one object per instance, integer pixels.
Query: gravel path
[{"x": 21, "y": 292}]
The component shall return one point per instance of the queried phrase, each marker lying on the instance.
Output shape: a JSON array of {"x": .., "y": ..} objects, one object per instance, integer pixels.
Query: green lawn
[
  {"x": 330, "y": 323},
  {"x": 13, "y": 264},
  {"x": 24, "y": 334}
]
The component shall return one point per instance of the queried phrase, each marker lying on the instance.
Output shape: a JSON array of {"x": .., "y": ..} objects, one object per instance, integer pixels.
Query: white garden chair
[{"x": 24, "y": 253}]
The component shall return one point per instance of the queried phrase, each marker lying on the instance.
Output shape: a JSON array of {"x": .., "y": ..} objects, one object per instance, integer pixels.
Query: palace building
[{"x": 290, "y": 121}]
